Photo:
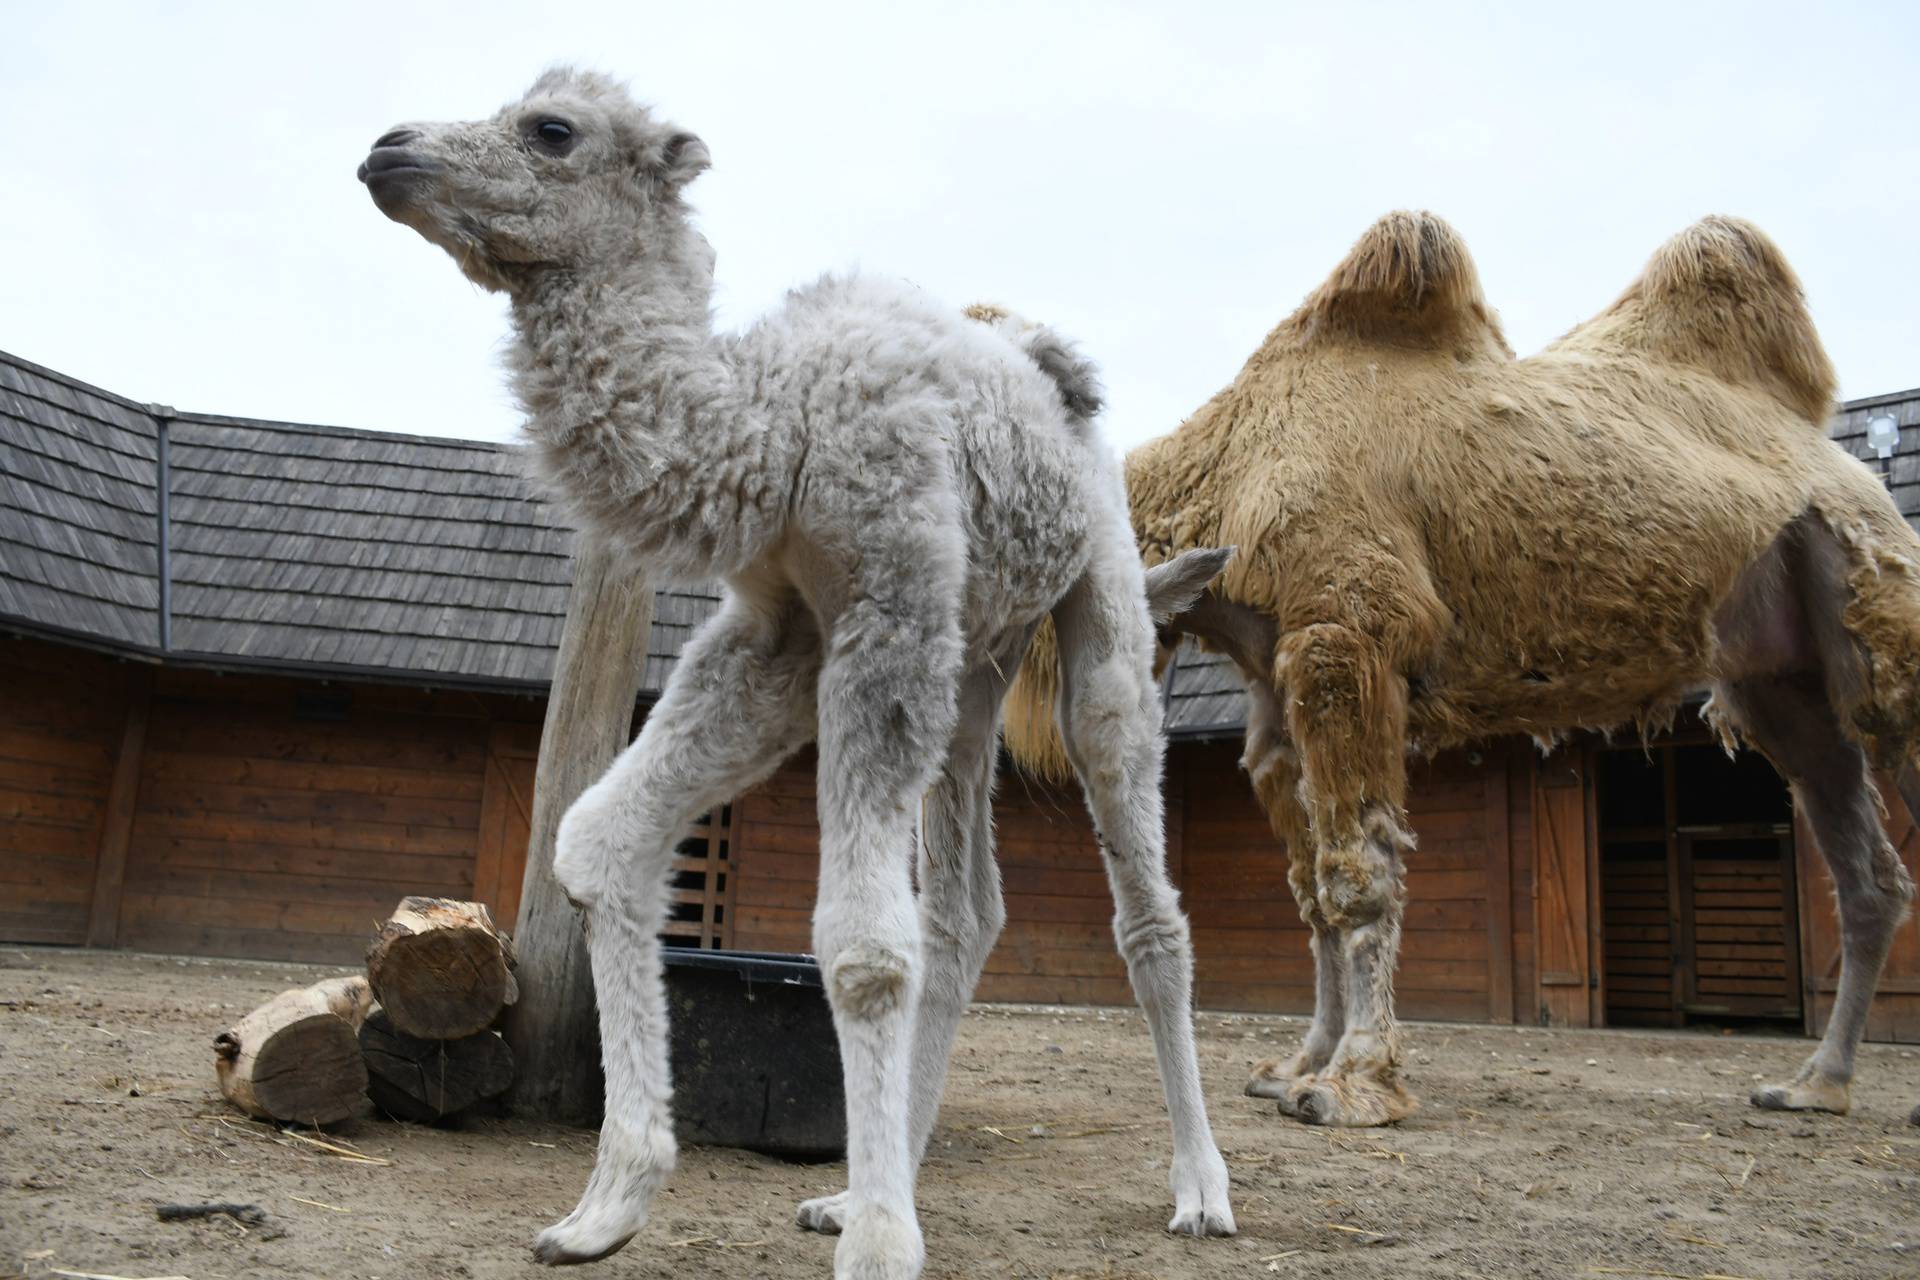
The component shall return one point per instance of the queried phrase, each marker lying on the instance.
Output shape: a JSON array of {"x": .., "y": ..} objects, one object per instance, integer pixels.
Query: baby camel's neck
[{"x": 637, "y": 421}]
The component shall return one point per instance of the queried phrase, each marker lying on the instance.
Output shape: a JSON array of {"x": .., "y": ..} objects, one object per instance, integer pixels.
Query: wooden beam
[
  {"x": 116, "y": 829},
  {"x": 596, "y": 678}
]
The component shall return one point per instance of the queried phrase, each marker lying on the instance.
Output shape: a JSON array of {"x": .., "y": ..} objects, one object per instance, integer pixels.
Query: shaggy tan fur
[
  {"x": 1541, "y": 542},
  {"x": 1449, "y": 544}
]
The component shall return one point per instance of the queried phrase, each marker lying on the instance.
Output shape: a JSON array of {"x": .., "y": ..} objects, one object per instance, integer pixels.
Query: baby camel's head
[{"x": 573, "y": 174}]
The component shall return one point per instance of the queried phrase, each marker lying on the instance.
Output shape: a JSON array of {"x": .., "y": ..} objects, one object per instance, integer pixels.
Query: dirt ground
[{"x": 1537, "y": 1153}]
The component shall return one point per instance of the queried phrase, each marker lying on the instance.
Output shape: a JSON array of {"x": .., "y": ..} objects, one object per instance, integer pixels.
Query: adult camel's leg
[
  {"x": 888, "y": 712},
  {"x": 1274, "y": 769},
  {"x": 1347, "y": 708},
  {"x": 1792, "y": 720},
  {"x": 740, "y": 700},
  {"x": 961, "y": 911},
  {"x": 1110, "y": 723}
]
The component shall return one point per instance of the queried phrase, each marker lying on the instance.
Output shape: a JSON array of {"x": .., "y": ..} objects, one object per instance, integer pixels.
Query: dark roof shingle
[{"x": 290, "y": 545}]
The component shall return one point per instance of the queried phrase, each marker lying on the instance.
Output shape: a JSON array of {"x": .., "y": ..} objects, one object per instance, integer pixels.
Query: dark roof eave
[{"x": 243, "y": 665}]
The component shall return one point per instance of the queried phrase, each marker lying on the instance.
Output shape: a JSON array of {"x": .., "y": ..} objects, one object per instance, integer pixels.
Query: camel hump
[
  {"x": 1409, "y": 281},
  {"x": 1721, "y": 295}
]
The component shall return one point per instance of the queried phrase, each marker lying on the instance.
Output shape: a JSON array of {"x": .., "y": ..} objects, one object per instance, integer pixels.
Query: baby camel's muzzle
[{"x": 392, "y": 172}]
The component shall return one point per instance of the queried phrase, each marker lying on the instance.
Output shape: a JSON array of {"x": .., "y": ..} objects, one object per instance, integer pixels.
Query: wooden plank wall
[
  {"x": 283, "y": 819},
  {"x": 1058, "y": 944},
  {"x": 1251, "y": 946},
  {"x": 62, "y": 716},
  {"x": 1896, "y": 1009}
]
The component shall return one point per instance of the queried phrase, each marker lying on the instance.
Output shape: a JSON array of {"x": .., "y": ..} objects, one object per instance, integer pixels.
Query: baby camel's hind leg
[
  {"x": 1110, "y": 723},
  {"x": 740, "y": 701},
  {"x": 1791, "y": 719},
  {"x": 1274, "y": 769}
]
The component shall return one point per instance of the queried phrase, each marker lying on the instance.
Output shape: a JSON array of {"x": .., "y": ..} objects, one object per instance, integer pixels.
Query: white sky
[{"x": 179, "y": 219}]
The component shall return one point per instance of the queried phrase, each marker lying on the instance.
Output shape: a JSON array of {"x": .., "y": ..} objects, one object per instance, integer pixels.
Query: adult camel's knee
[{"x": 1358, "y": 880}]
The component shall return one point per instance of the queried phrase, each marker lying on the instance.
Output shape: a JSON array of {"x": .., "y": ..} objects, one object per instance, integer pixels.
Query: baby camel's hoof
[
  {"x": 557, "y": 1248},
  {"x": 1806, "y": 1095},
  {"x": 827, "y": 1215},
  {"x": 879, "y": 1245},
  {"x": 1202, "y": 1222}
]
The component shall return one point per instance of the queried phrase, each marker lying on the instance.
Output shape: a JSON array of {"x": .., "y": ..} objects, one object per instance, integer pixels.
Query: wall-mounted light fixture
[
  {"x": 1883, "y": 433},
  {"x": 1883, "y": 436}
]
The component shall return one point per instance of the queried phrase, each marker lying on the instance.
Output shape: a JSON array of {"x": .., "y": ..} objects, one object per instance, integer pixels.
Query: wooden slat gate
[{"x": 701, "y": 888}]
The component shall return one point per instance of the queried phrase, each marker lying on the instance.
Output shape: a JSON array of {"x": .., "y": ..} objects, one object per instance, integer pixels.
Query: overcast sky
[{"x": 180, "y": 221}]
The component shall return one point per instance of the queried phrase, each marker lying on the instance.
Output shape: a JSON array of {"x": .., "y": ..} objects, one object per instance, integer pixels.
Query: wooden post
[
  {"x": 596, "y": 678},
  {"x": 116, "y": 830}
]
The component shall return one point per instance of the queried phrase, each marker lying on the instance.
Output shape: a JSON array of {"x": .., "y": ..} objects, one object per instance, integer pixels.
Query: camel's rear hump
[
  {"x": 1720, "y": 296},
  {"x": 1408, "y": 281}
]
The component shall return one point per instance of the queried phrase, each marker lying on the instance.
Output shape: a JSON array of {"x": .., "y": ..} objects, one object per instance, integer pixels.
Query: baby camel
[{"x": 895, "y": 497}]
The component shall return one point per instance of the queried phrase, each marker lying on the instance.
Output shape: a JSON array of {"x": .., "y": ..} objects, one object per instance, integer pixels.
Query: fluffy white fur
[{"x": 895, "y": 496}]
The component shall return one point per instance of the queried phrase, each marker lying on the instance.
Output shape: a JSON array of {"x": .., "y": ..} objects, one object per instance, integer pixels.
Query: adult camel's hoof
[
  {"x": 827, "y": 1214},
  {"x": 1347, "y": 1101},
  {"x": 1274, "y": 1077},
  {"x": 1813, "y": 1094}
]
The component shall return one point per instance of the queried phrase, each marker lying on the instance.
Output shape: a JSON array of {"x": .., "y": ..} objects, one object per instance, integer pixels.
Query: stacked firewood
[{"x": 415, "y": 1035}]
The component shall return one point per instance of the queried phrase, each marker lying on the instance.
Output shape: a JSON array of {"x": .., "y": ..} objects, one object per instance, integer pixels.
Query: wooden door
[
  {"x": 506, "y": 819},
  {"x": 1563, "y": 896}
]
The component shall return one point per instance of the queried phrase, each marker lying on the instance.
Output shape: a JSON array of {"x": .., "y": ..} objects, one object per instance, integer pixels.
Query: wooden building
[{"x": 258, "y": 680}]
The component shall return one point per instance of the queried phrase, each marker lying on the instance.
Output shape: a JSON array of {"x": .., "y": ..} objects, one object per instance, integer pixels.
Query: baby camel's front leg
[
  {"x": 887, "y": 716},
  {"x": 739, "y": 702}
]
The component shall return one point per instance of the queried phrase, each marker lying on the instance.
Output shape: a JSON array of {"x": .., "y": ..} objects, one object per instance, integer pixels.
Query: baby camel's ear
[{"x": 683, "y": 157}]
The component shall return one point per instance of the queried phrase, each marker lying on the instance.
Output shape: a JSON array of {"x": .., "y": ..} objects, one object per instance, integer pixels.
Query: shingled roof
[
  {"x": 364, "y": 552},
  {"x": 289, "y": 546}
]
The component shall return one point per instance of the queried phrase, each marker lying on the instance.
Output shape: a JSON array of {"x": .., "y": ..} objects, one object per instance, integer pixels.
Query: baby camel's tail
[
  {"x": 1032, "y": 731},
  {"x": 1077, "y": 377}
]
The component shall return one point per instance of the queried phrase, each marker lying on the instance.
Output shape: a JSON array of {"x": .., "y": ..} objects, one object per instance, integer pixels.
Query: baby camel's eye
[{"x": 554, "y": 134}]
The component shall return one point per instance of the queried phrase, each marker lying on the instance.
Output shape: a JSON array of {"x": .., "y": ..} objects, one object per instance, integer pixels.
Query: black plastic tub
[{"x": 755, "y": 1061}]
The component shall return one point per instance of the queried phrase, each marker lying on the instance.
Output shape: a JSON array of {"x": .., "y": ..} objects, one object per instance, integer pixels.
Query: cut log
[
  {"x": 430, "y": 1080},
  {"x": 297, "y": 1057},
  {"x": 441, "y": 969}
]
